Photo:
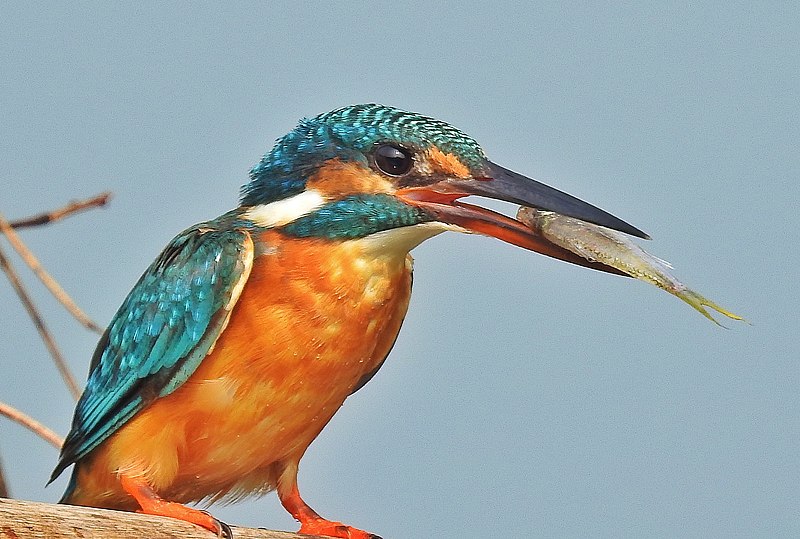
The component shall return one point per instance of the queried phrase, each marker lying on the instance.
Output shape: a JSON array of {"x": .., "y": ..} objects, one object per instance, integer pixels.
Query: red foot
[
  {"x": 152, "y": 504},
  {"x": 310, "y": 521},
  {"x": 320, "y": 526},
  {"x": 181, "y": 512}
]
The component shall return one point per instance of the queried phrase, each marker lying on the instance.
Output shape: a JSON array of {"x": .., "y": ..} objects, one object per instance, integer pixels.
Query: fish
[{"x": 609, "y": 248}]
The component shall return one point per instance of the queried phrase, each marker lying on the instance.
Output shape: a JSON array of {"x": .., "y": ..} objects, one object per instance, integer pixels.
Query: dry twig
[
  {"x": 61, "y": 364},
  {"x": 7, "y": 228},
  {"x": 55, "y": 215},
  {"x": 59, "y": 293},
  {"x": 31, "y": 424}
]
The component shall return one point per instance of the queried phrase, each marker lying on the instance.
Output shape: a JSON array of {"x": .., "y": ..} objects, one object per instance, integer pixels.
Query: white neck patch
[{"x": 283, "y": 212}]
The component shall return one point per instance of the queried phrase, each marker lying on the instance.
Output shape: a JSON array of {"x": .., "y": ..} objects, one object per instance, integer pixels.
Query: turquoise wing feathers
[{"x": 166, "y": 326}]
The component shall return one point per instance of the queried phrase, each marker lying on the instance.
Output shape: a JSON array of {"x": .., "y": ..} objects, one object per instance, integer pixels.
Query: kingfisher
[{"x": 247, "y": 333}]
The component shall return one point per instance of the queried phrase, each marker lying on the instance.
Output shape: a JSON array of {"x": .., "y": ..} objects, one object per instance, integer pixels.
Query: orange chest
[
  {"x": 312, "y": 315},
  {"x": 313, "y": 320}
]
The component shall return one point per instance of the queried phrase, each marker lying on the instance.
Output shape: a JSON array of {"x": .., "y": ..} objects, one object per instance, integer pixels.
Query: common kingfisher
[{"x": 247, "y": 333}]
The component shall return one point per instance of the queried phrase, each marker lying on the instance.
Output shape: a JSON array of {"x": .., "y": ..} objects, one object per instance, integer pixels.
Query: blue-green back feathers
[{"x": 163, "y": 330}]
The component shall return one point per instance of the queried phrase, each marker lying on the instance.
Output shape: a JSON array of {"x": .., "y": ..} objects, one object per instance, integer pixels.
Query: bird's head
[{"x": 364, "y": 170}]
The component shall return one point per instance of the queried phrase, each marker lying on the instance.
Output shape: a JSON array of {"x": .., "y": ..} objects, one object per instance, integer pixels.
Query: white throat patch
[{"x": 399, "y": 241}]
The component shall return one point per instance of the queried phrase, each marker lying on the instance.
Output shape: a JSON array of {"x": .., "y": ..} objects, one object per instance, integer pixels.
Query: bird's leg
[
  {"x": 152, "y": 504},
  {"x": 310, "y": 521}
]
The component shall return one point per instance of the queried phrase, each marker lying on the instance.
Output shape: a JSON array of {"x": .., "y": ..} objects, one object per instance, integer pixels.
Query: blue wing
[{"x": 166, "y": 326}]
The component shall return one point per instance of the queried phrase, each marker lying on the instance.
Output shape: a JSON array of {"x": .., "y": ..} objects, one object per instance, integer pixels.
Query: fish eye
[{"x": 393, "y": 160}]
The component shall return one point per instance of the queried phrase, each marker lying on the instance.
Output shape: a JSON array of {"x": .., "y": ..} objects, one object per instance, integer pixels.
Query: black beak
[
  {"x": 503, "y": 184},
  {"x": 441, "y": 200}
]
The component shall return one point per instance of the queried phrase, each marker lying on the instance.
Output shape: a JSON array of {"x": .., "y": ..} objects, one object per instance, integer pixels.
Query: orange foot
[
  {"x": 152, "y": 504},
  {"x": 195, "y": 516},
  {"x": 321, "y": 526}
]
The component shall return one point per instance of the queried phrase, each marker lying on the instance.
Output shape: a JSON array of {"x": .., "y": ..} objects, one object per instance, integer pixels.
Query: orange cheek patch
[
  {"x": 446, "y": 163},
  {"x": 337, "y": 178}
]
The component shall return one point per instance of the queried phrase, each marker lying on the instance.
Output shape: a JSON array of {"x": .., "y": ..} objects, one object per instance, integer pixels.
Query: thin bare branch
[
  {"x": 31, "y": 424},
  {"x": 72, "y": 207},
  {"x": 52, "y": 285},
  {"x": 58, "y": 358}
]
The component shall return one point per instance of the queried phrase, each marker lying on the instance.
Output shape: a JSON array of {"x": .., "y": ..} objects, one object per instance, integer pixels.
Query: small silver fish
[{"x": 610, "y": 248}]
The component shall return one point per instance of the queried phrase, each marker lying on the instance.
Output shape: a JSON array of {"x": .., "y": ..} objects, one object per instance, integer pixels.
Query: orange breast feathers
[{"x": 313, "y": 319}]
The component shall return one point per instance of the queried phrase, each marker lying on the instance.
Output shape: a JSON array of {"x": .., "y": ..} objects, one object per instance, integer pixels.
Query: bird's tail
[{"x": 69, "y": 493}]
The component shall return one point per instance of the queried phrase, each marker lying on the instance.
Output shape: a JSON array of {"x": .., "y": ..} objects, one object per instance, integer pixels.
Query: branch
[
  {"x": 31, "y": 424},
  {"x": 52, "y": 285},
  {"x": 6, "y": 266},
  {"x": 30, "y": 519},
  {"x": 74, "y": 206}
]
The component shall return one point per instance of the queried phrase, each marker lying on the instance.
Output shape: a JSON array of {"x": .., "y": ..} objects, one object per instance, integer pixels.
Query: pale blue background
[{"x": 525, "y": 397}]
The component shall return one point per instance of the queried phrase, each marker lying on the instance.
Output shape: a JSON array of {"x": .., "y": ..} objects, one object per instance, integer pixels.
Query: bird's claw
[{"x": 223, "y": 529}]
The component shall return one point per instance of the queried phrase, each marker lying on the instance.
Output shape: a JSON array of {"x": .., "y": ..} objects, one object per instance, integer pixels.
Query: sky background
[{"x": 525, "y": 396}]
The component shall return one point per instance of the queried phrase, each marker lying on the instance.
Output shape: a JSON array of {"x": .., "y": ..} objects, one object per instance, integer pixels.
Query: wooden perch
[{"x": 24, "y": 520}]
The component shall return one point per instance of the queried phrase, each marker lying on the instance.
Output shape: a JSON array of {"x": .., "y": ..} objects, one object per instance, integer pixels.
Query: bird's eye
[{"x": 393, "y": 160}]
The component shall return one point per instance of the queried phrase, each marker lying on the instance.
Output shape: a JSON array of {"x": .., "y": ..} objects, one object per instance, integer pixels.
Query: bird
[{"x": 247, "y": 333}]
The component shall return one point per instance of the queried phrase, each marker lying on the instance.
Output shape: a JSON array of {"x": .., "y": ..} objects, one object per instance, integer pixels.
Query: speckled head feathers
[
  {"x": 347, "y": 133},
  {"x": 361, "y": 126}
]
